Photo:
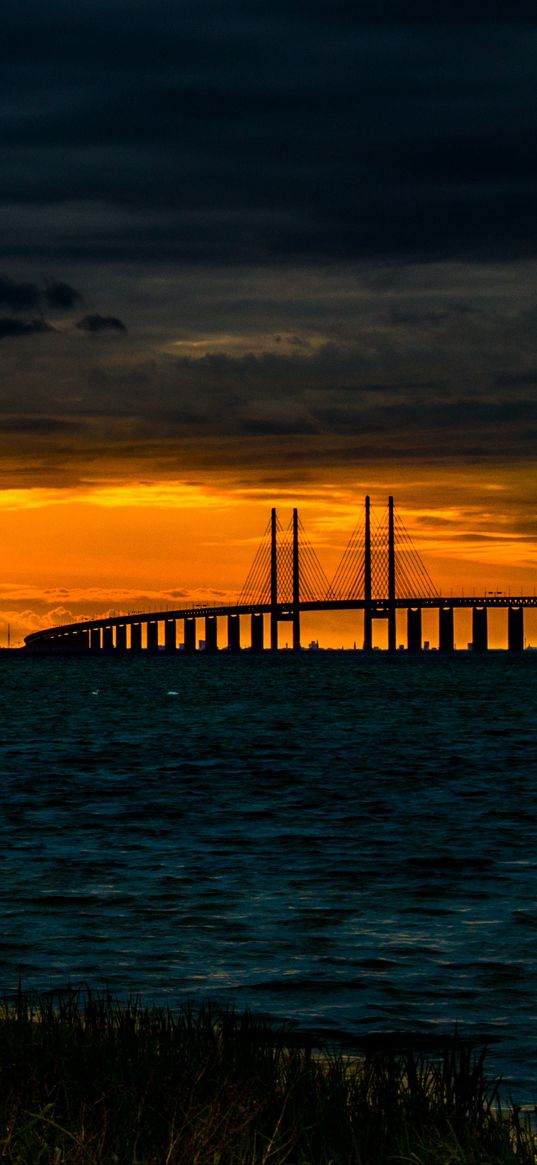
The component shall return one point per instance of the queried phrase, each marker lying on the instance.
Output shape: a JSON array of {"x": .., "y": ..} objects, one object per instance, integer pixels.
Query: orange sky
[{"x": 130, "y": 546}]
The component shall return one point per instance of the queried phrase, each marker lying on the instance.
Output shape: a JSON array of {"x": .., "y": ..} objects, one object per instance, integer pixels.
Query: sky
[{"x": 256, "y": 255}]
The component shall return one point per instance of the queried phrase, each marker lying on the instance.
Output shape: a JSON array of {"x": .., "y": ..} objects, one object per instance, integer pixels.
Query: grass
[{"x": 86, "y": 1080}]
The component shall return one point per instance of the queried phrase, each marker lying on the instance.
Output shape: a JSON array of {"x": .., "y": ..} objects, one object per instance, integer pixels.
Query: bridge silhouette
[{"x": 380, "y": 573}]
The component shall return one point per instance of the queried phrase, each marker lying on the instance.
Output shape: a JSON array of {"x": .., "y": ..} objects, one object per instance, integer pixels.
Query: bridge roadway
[{"x": 96, "y": 635}]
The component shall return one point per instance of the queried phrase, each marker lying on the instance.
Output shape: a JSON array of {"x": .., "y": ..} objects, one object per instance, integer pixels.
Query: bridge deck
[{"x": 284, "y": 610}]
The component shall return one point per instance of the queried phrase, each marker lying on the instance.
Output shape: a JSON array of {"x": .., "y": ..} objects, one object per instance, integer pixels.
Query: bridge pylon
[
  {"x": 296, "y": 584},
  {"x": 285, "y": 573},
  {"x": 368, "y": 613},
  {"x": 392, "y": 639},
  {"x": 371, "y": 609},
  {"x": 273, "y": 580},
  {"x": 293, "y": 613},
  {"x": 380, "y": 567}
]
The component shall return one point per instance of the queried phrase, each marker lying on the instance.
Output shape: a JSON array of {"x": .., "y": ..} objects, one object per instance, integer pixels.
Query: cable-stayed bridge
[{"x": 380, "y": 572}]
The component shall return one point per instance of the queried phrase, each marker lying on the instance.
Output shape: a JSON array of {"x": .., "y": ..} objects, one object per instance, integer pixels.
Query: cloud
[
  {"x": 25, "y": 295},
  {"x": 432, "y": 364},
  {"x": 60, "y": 295},
  {"x": 11, "y": 326},
  {"x": 97, "y": 323},
  {"x": 53, "y": 294},
  {"x": 234, "y": 133},
  {"x": 19, "y": 296}
]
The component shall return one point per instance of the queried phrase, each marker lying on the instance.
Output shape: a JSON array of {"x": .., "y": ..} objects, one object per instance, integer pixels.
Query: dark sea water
[{"x": 347, "y": 842}]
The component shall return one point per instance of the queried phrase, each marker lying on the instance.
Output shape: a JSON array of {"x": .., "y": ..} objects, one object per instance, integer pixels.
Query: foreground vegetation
[{"x": 89, "y": 1081}]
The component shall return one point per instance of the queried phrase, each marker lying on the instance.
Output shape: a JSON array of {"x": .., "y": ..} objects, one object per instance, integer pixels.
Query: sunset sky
[{"x": 256, "y": 255}]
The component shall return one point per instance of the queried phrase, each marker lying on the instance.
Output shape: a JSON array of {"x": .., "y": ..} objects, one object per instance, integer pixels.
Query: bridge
[{"x": 380, "y": 573}]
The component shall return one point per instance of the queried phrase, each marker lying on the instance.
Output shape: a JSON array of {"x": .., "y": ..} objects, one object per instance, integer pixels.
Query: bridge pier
[
  {"x": 136, "y": 636},
  {"x": 152, "y": 635},
  {"x": 170, "y": 636},
  {"x": 446, "y": 636},
  {"x": 190, "y": 635},
  {"x": 108, "y": 638},
  {"x": 121, "y": 637},
  {"x": 95, "y": 639},
  {"x": 211, "y": 635},
  {"x": 234, "y": 633},
  {"x": 392, "y": 634},
  {"x": 515, "y": 628},
  {"x": 296, "y": 630},
  {"x": 257, "y": 633},
  {"x": 479, "y": 629},
  {"x": 414, "y": 629},
  {"x": 368, "y": 629}
]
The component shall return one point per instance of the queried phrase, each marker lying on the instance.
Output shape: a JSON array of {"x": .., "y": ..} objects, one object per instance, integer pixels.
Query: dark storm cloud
[
  {"x": 11, "y": 326},
  {"x": 230, "y": 132},
  {"x": 327, "y": 398},
  {"x": 414, "y": 370},
  {"x": 52, "y": 295},
  {"x": 97, "y": 323},
  {"x": 22, "y": 296},
  {"x": 19, "y": 296},
  {"x": 60, "y": 295}
]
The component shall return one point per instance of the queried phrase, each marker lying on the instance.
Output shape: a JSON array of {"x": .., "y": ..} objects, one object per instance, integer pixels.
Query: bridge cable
[
  {"x": 411, "y": 565},
  {"x": 349, "y": 578}
]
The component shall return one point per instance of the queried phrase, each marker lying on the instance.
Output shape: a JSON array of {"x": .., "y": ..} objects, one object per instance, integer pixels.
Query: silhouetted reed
[{"x": 87, "y": 1080}]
